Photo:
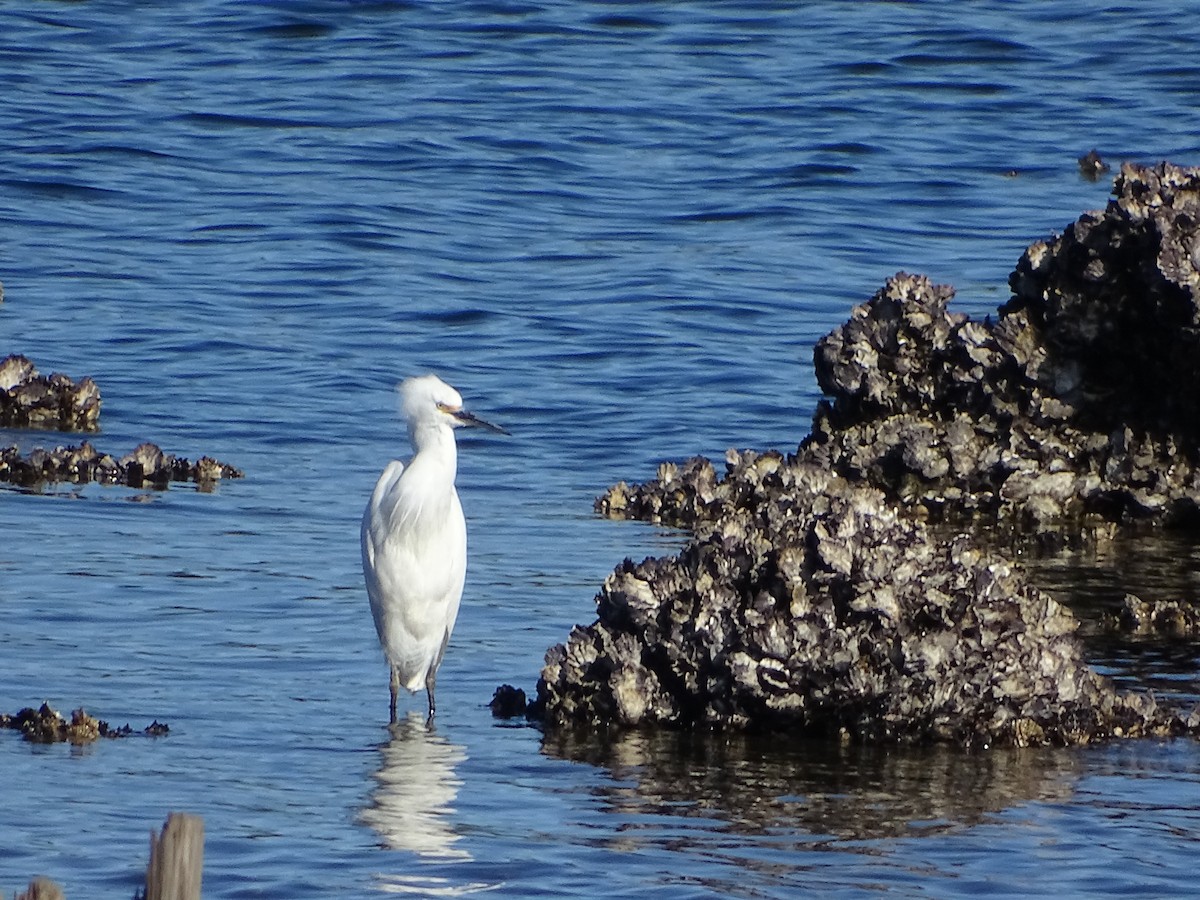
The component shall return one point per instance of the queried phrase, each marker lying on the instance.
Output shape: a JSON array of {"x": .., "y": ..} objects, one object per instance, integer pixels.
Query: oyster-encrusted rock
[
  {"x": 1170, "y": 618},
  {"x": 29, "y": 399},
  {"x": 818, "y": 605},
  {"x": 812, "y": 595},
  {"x": 145, "y": 465},
  {"x": 46, "y": 725},
  {"x": 1073, "y": 406}
]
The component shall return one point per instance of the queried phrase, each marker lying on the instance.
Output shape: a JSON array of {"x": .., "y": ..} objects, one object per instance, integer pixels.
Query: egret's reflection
[{"x": 416, "y": 786}]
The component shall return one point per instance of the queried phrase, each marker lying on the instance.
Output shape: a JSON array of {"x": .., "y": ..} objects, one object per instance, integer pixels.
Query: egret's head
[{"x": 427, "y": 400}]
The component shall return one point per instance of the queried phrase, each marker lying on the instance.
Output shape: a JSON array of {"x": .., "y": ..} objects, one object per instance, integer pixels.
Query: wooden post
[
  {"x": 41, "y": 888},
  {"x": 176, "y": 859}
]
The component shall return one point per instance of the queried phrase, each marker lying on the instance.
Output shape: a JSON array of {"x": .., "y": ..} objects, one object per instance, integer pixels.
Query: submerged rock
[
  {"x": 145, "y": 466},
  {"x": 48, "y": 726},
  {"x": 814, "y": 597},
  {"x": 1171, "y": 618},
  {"x": 508, "y": 702},
  {"x": 29, "y": 399}
]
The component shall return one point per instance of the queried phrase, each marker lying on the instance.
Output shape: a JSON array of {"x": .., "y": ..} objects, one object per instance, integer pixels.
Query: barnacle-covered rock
[
  {"x": 145, "y": 465},
  {"x": 1170, "y": 618},
  {"x": 29, "y": 399},
  {"x": 1069, "y": 410},
  {"x": 833, "y": 612},
  {"x": 46, "y": 725},
  {"x": 1084, "y": 375},
  {"x": 814, "y": 596}
]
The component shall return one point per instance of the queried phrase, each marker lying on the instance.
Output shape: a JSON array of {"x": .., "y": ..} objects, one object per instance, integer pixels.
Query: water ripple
[{"x": 619, "y": 230}]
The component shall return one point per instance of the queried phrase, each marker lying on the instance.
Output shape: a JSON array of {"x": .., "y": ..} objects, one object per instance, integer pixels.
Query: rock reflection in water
[
  {"x": 1093, "y": 582},
  {"x": 813, "y": 789},
  {"x": 416, "y": 786}
]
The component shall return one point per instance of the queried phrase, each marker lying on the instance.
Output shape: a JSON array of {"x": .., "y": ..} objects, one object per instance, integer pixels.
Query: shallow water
[{"x": 618, "y": 229}]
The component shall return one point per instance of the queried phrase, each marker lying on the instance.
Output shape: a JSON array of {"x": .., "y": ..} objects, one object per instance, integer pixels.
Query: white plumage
[{"x": 414, "y": 539}]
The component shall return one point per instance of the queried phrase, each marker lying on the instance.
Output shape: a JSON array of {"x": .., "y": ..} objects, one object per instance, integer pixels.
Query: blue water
[{"x": 618, "y": 228}]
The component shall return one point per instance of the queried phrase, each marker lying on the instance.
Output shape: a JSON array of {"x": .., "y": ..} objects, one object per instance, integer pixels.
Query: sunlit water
[{"x": 618, "y": 229}]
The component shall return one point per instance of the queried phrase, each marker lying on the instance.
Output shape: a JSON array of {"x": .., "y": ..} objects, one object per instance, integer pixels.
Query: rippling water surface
[{"x": 618, "y": 228}]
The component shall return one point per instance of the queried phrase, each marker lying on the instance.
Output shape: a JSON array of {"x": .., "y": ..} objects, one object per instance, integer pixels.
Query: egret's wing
[
  {"x": 375, "y": 525},
  {"x": 381, "y": 506}
]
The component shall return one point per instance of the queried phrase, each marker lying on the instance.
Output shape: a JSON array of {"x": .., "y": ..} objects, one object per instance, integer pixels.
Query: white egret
[{"x": 414, "y": 539}]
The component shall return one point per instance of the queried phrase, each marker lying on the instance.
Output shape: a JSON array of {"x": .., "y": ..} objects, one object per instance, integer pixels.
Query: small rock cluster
[
  {"x": 145, "y": 466},
  {"x": 1171, "y": 618},
  {"x": 48, "y": 726},
  {"x": 814, "y": 596},
  {"x": 29, "y": 399}
]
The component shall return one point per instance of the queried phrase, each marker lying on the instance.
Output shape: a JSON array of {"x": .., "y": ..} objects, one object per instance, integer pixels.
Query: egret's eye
[{"x": 446, "y": 408}]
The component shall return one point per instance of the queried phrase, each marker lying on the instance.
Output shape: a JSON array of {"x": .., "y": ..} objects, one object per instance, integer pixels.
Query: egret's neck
[{"x": 434, "y": 448}]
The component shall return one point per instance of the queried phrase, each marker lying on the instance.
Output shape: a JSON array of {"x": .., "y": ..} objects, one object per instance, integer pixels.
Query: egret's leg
[
  {"x": 430, "y": 680},
  {"x": 431, "y": 675},
  {"x": 395, "y": 690}
]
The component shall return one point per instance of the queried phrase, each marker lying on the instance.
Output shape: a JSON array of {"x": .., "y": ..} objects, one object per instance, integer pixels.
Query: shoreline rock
[{"x": 813, "y": 596}]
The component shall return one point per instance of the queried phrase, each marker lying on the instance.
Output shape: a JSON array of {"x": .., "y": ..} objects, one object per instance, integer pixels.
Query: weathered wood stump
[
  {"x": 41, "y": 888},
  {"x": 176, "y": 859}
]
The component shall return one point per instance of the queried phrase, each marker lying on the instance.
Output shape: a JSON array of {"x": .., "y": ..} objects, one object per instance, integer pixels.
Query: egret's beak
[{"x": 466, "y": 418}]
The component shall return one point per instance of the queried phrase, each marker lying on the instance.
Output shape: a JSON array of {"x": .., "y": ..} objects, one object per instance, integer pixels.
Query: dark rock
[
  {"x": 146, "y": 466},
  {"x": 813, "y": 596},
  {"x": 508, "y": 702},
  {"x": 45, "y": 725},
  {"x": 815, "y": 604},
  {"x": 1169, "y": 618},
  {"x": 1067, "y": 409},
  {"x": 31, "y": 400}
]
